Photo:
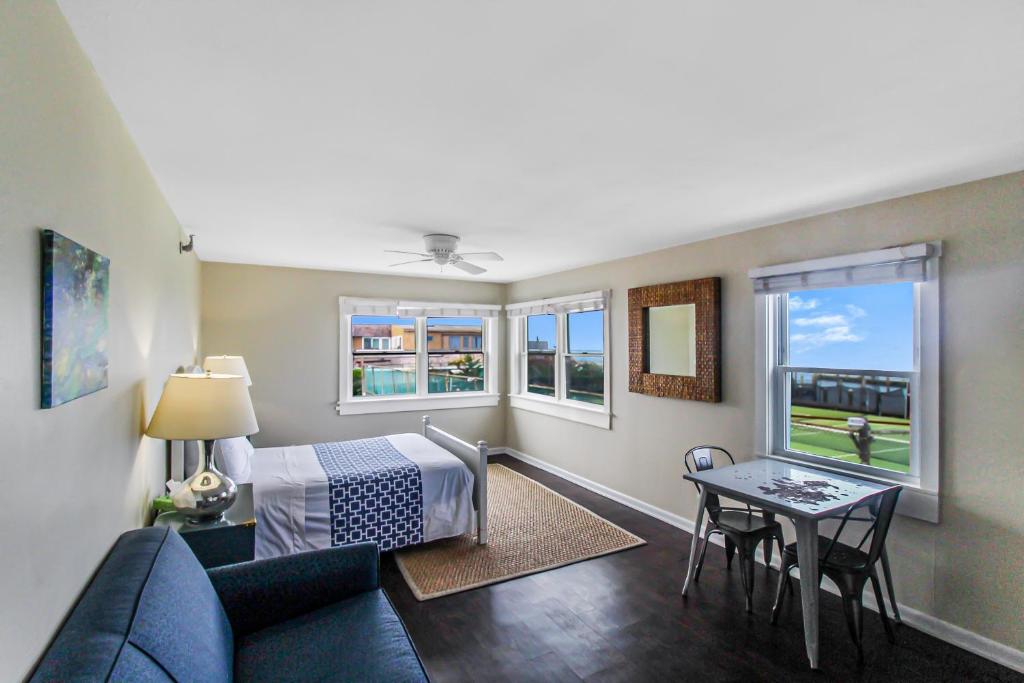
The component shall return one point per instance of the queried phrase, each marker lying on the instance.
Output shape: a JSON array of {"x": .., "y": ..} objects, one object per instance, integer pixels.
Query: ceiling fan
[{"x": 441, "y": 249}]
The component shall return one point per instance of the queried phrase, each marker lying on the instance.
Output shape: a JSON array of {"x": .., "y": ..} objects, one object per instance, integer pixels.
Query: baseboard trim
[{"x": 933, "y": 626}]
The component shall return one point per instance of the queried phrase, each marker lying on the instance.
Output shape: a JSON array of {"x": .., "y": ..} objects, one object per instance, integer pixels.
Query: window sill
[
  {"x": 368, "y": 406},
  {"x": 915, "y": 501},
  {"x": 595, "y": 417}
]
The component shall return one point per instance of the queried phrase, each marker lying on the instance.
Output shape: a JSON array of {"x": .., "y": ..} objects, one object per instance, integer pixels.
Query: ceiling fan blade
[
  {"x": 469, "y": 267},
  {"x": 405, "y": 263},
  {"x": 482, "y": 255},
  {"x": 410, "y": 253}
]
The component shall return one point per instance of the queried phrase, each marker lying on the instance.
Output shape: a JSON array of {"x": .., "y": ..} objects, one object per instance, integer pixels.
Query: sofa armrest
[{"x": 265, "y": 592}]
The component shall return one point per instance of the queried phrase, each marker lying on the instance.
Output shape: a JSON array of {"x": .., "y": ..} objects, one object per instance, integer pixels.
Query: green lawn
[{"x": 822, "y": 431}]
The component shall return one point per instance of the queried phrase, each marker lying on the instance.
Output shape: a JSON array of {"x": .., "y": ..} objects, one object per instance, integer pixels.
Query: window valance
[
  {"x": 897, "y": 264},
  {"x": 575, "y": 303},
  {"x": 414, "y": 309}
]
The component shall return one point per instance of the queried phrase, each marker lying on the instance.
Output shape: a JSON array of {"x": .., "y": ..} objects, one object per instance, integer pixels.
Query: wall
[
  {"x": 75, "y": 477},
  {"x": 966, "y": 570},
  {"x": 285, "y": 322}
]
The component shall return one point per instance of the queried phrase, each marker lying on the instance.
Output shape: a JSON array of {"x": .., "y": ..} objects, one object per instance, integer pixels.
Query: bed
[{"x": 396, "y": 490}]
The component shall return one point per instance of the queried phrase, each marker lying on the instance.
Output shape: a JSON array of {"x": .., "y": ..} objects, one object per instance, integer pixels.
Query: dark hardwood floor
[{"x": 621, "y": 618}]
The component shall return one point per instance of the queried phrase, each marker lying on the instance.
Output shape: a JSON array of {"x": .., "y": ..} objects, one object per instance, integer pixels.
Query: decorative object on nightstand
[
  {"x": 228, "y": 540},
  {"x": 227, "y": 365},
  {"x": 204, "y": 408}
]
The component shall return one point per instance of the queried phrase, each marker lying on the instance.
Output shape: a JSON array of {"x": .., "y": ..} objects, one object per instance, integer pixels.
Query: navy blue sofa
[{"x": 152, "y": 613}]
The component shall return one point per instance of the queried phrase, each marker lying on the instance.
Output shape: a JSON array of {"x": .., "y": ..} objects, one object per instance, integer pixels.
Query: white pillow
[{"x": 234, "y": 458}]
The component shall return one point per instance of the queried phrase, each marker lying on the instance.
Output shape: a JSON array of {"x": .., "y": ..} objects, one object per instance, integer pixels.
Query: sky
[
  {"x": 869, "y": 327},
  {"x": 586, "y": 331}
]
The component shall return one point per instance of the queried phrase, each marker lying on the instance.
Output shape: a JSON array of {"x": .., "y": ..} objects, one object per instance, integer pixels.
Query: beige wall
[
  {"x": 76, "y": 476},
  {"x": 968, "y": 569},
  {"x": 285, "y": 321}
]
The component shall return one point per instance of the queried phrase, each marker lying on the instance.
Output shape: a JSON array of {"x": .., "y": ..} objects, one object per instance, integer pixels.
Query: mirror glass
[{"x": 672, "y": 340}]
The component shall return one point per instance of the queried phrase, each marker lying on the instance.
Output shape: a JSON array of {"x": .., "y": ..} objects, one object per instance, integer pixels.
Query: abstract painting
[{"x": 76, "y": 286}]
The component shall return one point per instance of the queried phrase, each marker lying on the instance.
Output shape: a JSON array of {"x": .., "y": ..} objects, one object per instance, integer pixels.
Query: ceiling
[{"x": 558, "y": 133}]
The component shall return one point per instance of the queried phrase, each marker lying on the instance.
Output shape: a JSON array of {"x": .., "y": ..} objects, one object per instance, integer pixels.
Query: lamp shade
[
  {"x": 203, "y": 407},
  {"x": 227, "y": 365}
]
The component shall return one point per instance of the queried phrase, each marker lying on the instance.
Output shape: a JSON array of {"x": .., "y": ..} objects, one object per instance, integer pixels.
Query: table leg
[
  {"x": 697, "y": 529},
  {"x": 807, "y": 556},
  {"x": 889, "y": 588}
]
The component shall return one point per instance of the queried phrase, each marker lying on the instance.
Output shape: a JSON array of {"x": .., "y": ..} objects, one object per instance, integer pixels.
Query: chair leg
[
  {"x": 748, "y": 569},
  {"x": 768, "y": 556},
  {"x": 889, "y": 587},
  {"x": 730, "y": 550},
  {"x": 783, "y": 584},
  {"x": 782, "y": 558},
  {"x": 703, "y": 551},
  {"x": 854, "y": 610},
  {"x": 881, "y": 609}
]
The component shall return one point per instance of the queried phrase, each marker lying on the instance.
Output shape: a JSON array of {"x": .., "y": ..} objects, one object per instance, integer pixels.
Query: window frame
[
  {"x": 422, "y": 399},
  {"x": 559, "y": 405},
  {"x": 467, "y": 350},
  {"x": 920, "y": 497}
]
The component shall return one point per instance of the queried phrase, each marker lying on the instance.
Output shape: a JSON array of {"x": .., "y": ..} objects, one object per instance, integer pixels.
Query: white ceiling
[{"x": 557, "y": 132}]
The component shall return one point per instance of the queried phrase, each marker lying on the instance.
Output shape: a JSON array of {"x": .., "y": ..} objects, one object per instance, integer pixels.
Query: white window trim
[
  {"x": 920, "y": 497},
  {"x": 557, "y": 406},
  {"x": 365, "y": 405}
]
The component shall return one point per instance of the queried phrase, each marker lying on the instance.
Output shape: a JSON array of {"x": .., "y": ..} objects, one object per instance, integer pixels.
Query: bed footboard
[{"x": 475, "y": 458}]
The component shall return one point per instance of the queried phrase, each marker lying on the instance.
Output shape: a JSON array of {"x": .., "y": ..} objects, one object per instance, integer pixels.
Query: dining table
[{"x": 804, "y": 494}]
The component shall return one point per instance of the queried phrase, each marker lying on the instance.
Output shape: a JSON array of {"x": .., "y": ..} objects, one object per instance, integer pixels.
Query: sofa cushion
[
  {"x": 150, "y": 613},
  {"x": 358, "y": 639}
]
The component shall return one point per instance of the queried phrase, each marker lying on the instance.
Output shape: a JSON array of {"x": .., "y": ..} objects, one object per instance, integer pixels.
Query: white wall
[
  {"x": 76, "y": 476},
  {"x": 966, "y": 570},
  {"x": 285, "y": 321}
]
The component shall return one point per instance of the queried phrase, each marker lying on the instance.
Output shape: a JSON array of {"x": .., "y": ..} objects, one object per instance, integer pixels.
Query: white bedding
[{"x": 290, "y": 494}]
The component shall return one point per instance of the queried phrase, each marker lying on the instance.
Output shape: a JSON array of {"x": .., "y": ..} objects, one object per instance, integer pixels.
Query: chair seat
[
  {"x": 359, "y": 639},
  {"x": 842, "y": 556},
  {"x": 744, "y": 523}
]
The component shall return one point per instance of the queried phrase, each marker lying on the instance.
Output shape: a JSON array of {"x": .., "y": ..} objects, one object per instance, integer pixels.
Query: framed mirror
[{"x": 674, "y": 340}]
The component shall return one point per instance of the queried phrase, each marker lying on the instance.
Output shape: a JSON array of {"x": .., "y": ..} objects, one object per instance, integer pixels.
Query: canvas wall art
[{"x": 76, "y": 287}]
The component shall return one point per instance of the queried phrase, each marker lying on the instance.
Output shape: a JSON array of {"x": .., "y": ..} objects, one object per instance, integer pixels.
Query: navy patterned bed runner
[{"x": 376, "y": 493}]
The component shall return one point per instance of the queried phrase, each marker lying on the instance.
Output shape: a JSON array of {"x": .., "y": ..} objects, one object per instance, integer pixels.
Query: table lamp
[
  {"x": 204, "y": 408},
  {"x": 227, "y": 365}
]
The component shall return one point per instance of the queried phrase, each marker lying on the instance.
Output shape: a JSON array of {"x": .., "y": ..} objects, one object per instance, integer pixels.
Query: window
[
  {"x": 382, "y": 364},
  {"x": 541, "y": 354},
  {"x": 456, "y": 372},
  {"x": 559, "y": 357},
  {"x": 851, "y": 374},
  {"x": 584, "y": 364},
  {"x": 846, "y": 358},
  {"x": 401, "y": 356}
]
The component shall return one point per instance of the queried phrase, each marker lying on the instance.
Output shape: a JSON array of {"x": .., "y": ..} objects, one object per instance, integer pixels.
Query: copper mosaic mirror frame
[{"x": 705, "y": 294}]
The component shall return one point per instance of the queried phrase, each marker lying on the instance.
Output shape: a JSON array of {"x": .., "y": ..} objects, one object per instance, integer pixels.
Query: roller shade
[
  {"x": 897, "y": 264},
  {"x": 576, "y": 303},
  {"x": 415, "y": 309}
]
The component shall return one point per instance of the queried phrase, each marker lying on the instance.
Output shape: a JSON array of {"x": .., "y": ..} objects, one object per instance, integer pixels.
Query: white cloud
[
  {"x": 830, "y": 335},
  {"x": 827, "y": 328},
  {"x": 821, "y": 321},
  {"x": 798, "y": 304}
]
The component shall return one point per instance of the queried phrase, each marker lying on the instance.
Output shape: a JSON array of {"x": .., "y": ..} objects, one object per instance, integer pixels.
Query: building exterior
[{"x": 393, "y": 337}]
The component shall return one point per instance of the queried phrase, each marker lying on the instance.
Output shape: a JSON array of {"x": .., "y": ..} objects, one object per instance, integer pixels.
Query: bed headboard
[{"x": 475, "y": 458}]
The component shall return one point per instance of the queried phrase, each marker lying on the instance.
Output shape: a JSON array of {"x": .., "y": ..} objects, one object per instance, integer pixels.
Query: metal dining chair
[
  {"x": 743, "y": 528},
  {"x": 851, "y": 567}
]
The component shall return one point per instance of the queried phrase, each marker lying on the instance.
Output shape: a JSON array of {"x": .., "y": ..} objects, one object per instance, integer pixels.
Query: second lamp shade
[{"x": 227, "y": 365}]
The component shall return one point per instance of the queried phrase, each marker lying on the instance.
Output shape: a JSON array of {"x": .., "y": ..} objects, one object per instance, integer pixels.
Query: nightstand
[{"x": 226, "y": 541}]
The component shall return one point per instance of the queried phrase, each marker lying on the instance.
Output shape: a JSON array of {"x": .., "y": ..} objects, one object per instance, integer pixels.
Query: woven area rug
[{"x": 530, "y": 529}]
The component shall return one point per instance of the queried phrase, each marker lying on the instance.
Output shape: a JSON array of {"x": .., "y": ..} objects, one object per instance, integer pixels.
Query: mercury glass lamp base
[{"x": 205, "y": 496}]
